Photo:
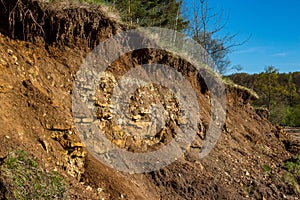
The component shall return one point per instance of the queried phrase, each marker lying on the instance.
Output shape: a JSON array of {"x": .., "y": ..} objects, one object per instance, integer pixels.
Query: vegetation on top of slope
[
  {"x": 73, "y": 25},
  {"x": 252, "y": 93},
  {"x": 203, "y": 23},
  {"x": 101, "y": 2}
]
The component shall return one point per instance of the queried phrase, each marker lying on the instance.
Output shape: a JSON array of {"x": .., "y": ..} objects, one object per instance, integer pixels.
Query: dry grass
[
  {"x": 110, "y": 11},
  {"x": 230, "y": 83}
]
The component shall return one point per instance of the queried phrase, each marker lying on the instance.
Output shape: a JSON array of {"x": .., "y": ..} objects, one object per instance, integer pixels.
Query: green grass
[
  {"x": 292, "y": 174},
  {"x": 23, "y": 179},
  {"x": 266, "y": 168},
  {"x": 293, "y": 165}
]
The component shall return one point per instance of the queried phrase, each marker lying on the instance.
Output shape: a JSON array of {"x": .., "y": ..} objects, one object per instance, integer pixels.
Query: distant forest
[{"x": 278, "y": 92}]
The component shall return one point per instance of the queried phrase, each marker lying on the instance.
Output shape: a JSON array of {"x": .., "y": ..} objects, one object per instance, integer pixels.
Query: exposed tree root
[{"x": 60, "y": 23}]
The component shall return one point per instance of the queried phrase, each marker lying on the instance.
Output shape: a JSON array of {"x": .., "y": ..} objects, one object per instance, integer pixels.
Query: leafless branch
[{"x": 208, "y": 25}]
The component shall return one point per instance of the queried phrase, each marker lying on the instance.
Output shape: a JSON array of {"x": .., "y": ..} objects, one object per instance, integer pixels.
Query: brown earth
[{"x": 41, "y": 50}]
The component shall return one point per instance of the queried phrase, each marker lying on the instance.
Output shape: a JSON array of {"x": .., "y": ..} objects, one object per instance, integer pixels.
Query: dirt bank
[{"x": 41, "y": 49}]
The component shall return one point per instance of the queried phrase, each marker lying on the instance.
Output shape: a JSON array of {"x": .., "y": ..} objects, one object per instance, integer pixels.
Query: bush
[{"x": 292, "y": 117}]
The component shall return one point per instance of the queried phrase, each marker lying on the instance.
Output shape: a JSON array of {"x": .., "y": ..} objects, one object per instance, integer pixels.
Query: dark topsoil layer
[{"x": 41, "y": 49}]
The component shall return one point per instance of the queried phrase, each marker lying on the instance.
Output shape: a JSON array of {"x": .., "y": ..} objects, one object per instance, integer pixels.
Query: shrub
[{"x": 292, "y": 117}]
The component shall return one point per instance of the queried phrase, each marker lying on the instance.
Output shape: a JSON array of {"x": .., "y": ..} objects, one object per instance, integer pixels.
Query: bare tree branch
[{"x": 207, "y": 26}]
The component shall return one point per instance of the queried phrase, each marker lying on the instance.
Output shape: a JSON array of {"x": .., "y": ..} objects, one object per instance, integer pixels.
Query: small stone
[
  {"x": 77, "y": 144},
  {"x": 87, "y": 120},
  {"x": 3, "y": 62},
  {"x": 59, "y": 127},
  {"x": 89, "y": 188},
  {"x": 137, "y": 117},
  {"x": 199, "y": 165},
  {"x": 9, "y": 51},
  {"x": 141, "y": 124},
  {"x": 77, "y": 120},
  {"x": 15, "y": 58},
  {"x": 120, "y": 143},
  {"x": 44, "y": 144},
  {"x": 247, "y": 173},
  {"x": 116, "y": 128},
  {"x": 182, "y": 121}
]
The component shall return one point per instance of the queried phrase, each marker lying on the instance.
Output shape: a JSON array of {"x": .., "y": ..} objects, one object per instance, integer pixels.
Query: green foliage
[
  {"x": 293, "y": 166},
  {"x": 24, "y": 180},
  {"x": 158, "y": 13},
  {"x": 292, "y": 176},
  {"x": 291, "y": 181},
  {"x": 267, "y": 86},
  {"x": 266, "y": 168},
  {"x": 291, "y": 116},
  {"x": 280, "y": 93}
]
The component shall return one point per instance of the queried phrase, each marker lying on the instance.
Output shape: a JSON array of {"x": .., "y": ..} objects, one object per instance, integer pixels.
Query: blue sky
[{"x": 274, "y": 26}]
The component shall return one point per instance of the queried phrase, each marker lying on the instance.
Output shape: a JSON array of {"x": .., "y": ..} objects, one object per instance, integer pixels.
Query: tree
[
  {"x": 159, "y": 13},
  {"x": 267, "y": 85},
  {"x": 273, "y": 95},
  {"x": 292, "y": 90},
  {"x": 206, "y": 27}
]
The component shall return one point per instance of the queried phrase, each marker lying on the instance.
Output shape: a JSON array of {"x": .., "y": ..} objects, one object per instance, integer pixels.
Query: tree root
[{"x": 61, "y": 23}]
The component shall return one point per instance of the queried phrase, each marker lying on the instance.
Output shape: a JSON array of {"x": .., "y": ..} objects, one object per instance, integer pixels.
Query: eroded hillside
[{"x": 42, "y": 46}]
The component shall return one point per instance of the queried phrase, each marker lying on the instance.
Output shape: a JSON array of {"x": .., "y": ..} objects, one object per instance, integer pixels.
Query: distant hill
[
  {"x": 249, "y": 79},
  {"x": 278, "y": 92}
]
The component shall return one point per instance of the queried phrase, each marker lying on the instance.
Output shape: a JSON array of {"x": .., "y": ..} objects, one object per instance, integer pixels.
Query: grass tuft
[
  {"x": 266, "y": 168},
  {"x": 24, "y": 180},
  {"x": 292, "y": 176}
]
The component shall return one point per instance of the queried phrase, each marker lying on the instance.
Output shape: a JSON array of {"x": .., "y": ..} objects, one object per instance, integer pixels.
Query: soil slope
[{"x": 41, "y": 49}]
